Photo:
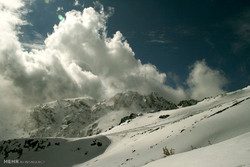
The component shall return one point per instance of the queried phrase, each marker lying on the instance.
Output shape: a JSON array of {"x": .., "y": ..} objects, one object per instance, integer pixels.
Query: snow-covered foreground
[
  {"x": 186, "y": 130},
  {"x": 231, "y": 153},
  {"x": 215, "y": 132}
]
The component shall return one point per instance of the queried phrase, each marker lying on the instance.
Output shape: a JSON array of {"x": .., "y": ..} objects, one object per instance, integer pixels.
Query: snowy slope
[
  {"x": 230, "y": 153},
  {"x": 214, "y": 132},
  {"x": 211, "y": 121}
]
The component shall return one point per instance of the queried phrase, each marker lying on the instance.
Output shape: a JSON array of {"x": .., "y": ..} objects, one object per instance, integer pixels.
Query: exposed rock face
[
  {"x": 64, "y": 118},
  {"x": 128, "y": 118},
  {"x": 185, "y": 103},
  {"x": 141, "y": 102},
  {"x": 78, "y": 117}
]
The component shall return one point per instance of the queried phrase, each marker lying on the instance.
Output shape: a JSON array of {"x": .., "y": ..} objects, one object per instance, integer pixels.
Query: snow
[
  {"x": 214, "y": 132},
  {"x": 230, "y": 153},
  {"x": 141, "y": 141}
]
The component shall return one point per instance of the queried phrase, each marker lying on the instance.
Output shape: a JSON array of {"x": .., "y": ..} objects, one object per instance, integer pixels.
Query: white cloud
[
  {"x": 11, "y": 109},
  {"x": 11, "y": 4},
  {"x": 158, "y": 37},
  {"x": 76, "y": 3},
  {"x": 34, "y": 41},
  {"x": 204, "y": 81},
  {"x": 59, "y": 9},
  {"x": 35, "y": 45},
  {"x": 79, "y": 59}
]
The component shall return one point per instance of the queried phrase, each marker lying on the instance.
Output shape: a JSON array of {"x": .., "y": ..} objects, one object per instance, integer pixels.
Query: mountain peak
[{"x": 74, "y": 117}]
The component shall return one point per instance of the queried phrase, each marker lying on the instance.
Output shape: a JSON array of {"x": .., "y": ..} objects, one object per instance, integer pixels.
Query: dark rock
[
  {"x": 130, "y": 117},
  {"x": 99, "y": 144},
  {"x": 185, "y": 103},
  {"x": 182, "y": 130},
  {"x": 94, "y": 143},
  {"x": 164, "y": 116}
]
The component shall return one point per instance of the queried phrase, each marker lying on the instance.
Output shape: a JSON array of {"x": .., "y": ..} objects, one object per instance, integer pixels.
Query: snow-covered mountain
[
  {"x": 65, "y": 118},
  {"x": 214, "y": 132},
  {"x": 80, "y": 117}
]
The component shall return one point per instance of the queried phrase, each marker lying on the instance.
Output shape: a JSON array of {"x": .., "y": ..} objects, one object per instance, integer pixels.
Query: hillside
[{"x": 214, "y": 132}]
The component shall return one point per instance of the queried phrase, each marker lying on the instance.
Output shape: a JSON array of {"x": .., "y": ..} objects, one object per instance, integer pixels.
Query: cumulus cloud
[
  {"x": 204, "y": 81},
  {"x": 11, "y": 109},
  {"x": 76, "y": 3},
  {"x": 11, "y": 4},
  {"x": 79, "y": 59}
]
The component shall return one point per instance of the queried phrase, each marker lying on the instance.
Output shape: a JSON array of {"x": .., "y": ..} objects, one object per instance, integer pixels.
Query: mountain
[
  {"x": 84, "y": 116},
  {"x": 214, "y": 132},
  {"x": 140, "y": 102},
  {"x": 65, "y": 118},
  {"x": 185, "y": 103}
]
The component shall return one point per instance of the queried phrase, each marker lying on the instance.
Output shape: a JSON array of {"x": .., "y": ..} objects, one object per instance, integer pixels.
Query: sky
[
  {"x": 55, "y": 49},
  {"x": 171, "y": 35},
  {"x": 52, "y": 49}
]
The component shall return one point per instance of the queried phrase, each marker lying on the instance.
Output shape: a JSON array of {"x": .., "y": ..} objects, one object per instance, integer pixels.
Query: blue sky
[
  {"x": 171, "y": 35},
  {"x": 54, "y": 49},
  {"x": 182, "y": 32}
]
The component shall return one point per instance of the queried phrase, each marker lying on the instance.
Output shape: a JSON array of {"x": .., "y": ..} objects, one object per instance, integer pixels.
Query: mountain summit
[{"x": 78, "y": 117}]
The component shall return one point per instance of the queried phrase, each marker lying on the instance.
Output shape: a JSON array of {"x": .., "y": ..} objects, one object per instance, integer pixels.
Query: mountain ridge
[
  {"x": 214, "y": 131},
  {"x": 77, "y": 117}
]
